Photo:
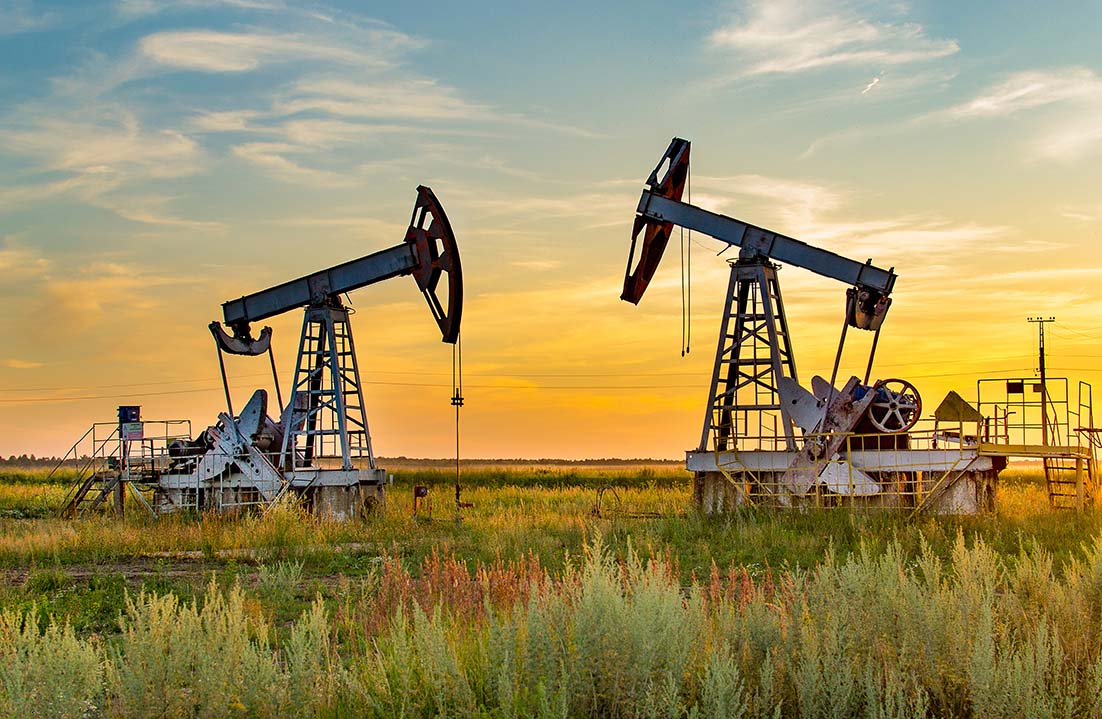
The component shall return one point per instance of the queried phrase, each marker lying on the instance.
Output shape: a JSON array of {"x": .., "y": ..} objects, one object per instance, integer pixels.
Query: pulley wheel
[{"x": 897, "y": 406}]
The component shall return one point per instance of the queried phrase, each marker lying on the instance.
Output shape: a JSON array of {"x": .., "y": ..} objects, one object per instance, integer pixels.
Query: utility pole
[{"x": 1041, "y": 322}]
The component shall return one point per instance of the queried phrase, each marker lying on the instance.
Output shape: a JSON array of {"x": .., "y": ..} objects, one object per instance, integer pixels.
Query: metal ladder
[{"x": 1060, "y": 481}]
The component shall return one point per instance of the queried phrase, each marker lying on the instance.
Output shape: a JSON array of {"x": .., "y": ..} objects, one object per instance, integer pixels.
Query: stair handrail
[
  {"x": 73, "y": 451},
  {"x": 98, "y": 452}
]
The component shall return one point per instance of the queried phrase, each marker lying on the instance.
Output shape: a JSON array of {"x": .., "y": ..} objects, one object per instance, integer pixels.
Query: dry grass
[{"x": 879, "y": 634}]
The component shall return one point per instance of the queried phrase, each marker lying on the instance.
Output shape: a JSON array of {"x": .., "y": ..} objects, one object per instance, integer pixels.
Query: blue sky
[{"x": 157, "y": 158}]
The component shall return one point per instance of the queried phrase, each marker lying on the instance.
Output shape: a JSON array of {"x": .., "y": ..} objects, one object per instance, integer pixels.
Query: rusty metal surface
[
  {"x": 656, "y": 234},
  {"x": 430, "y": 233}
]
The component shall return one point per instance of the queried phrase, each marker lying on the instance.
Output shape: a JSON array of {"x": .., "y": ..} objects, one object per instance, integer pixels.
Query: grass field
[{"x": 532, "y": 604}]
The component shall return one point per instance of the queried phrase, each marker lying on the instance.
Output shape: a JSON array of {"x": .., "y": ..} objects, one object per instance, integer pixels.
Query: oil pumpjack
[
  {"x": 766, "y": 439},
  {"x": 319, "y": 447}
]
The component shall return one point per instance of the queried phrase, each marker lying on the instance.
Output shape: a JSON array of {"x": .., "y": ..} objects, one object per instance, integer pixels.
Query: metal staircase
[
  {"x": 96, "y": 478},
  {"x": 92, "y": 493}
]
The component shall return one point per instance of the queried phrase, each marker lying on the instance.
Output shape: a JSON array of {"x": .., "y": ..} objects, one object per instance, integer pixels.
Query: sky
[{"x": 159, "y": 158}]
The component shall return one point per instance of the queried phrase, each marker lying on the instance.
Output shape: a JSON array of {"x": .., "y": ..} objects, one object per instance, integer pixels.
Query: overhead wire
[
  {"x": 528, "y": 388},
  {"x": 524, "y": 375},
  {"x": 457, "y": 381},
  {"x": 498, "y": 387},
  {"x": 376, "y": 372},
  {"x": 1060, "y": 332},
  {"x": 28, "y": 400},
  {"x": 156, "y": 383},
  {"x": 503, "y": 387}
]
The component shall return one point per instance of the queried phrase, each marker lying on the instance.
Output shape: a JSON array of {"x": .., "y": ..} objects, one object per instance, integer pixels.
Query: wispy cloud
[
  {"x": 13, "y": 363},
  {"x": 18, "y": 16},
  {"x": 115, "y": 143},
  {"x": 1082, "y": 214},
  {"x": 101, "y": 157},
  {"x": 346, "y": 84},
  {"x": 344, "y": 87},
  {"x": 133, "y": 9},
  {"x": 407, "y": 98},
  {"x": 537, "y": 265},
  {"x": 224, "y": 121},
  {"x": 85, "y": 187},
  {"x": 819, "y": 214},
  {"x": 417, "y": 99},
  {"x": 1067, "y": 102},
  {"x": 152, "y": 214},
  {"x": 355, "y": 225},
  {"x": 95, "y": 293},
  {"x": 1072, "y": 139},
  {"x": 17, "y": 260},
  {"x": 212, "y": 51},
  {"x": 276, "y": 159},
  {"x": 595, "y": 209},
  {"x": 1031, "y": 89},
  {"x": 1064, "y": 136},
  {"x": 795, "y": 202},
  {"x": 789, "y": 36}
]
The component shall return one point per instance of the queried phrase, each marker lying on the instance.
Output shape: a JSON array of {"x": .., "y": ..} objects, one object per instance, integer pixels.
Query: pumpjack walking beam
[
  {"x": 660, "y": 208},
  {"x": 429, "y": 250}
]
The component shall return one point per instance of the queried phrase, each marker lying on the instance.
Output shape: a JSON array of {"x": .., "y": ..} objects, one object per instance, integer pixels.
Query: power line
[
  {"x": 1085, "y": 335},
  {"x": 530, "y": 388},
  {"x": 124, "y": 395},
  {"x": 115, "y": 386},
  {"x": 495, "y": 375},
  {"x": 378, "y": 372},
  {"x": 487, "y": 375},
  {"x": 974, "y": 373},
  {"x": 492, "y": 387}
]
